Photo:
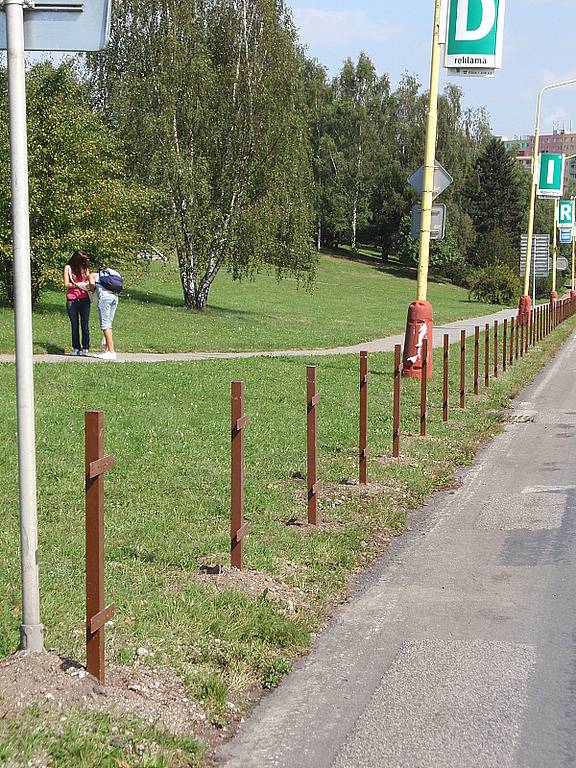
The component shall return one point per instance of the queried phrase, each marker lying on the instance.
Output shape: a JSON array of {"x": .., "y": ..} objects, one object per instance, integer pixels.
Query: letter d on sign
[{"x": 483, "y": 17}]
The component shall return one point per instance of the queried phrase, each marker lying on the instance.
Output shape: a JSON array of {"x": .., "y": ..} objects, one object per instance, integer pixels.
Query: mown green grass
[
  {"x": 167, "y": 503},
  {"x": 352, "y": 301}
]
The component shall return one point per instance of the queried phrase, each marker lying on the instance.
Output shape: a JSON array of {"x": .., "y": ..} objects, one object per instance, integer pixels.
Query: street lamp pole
[
  {"x": 419, "y": 323},
  {"x": 525, "y": 301}
]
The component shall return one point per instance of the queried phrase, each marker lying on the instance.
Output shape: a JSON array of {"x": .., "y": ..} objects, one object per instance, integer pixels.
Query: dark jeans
[{"x": 79, "y": 314}]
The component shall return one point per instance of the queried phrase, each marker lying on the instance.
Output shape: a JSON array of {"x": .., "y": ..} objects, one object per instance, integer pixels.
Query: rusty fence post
[
  {"x": 97, "y": 612},
  {"x": 487, "y": 355},
  {"x": 527, "y": 337},
  {"x": 511, "y": 353},
  {"x": 312, "y": 468},
  {"x": 396, "y": 407},
  {"x": 522, "y": 340},
  {"x": 462, "y": 369},
  {"x": 476, "y": 358},
  {"x": 517, "y": 335},
  {"x": 445, "y": 378},
  {"x": 496, "y": 350},
  {"x": 363, "y": 453},
  {"x": 504, "y": 345},
  {"x": 423, "y": 388},
  {"x": 238, "y": 528}
]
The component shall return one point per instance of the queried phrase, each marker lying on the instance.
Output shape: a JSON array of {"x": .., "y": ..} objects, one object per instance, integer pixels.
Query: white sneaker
[
  {"x": 85, "y": 352},
  {"x": 103, "y": 342},
  {"x": 75, "y": 353},
  {"x": 107, "y": 356}
]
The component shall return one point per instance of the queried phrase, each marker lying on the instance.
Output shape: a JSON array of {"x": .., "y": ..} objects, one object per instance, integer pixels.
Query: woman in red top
[{"x": 78, "y": 301}]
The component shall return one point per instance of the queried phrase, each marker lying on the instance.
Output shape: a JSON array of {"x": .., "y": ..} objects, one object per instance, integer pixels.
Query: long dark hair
[{"x": 78, "y": 263}]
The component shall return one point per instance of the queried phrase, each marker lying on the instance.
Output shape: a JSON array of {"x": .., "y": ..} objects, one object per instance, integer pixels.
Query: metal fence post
[
  {"x": 504, "y": 345},
  {"x": 496, "y": 349},
  {"x": 445, "y": 378},
  {"x": 462, "y": 369},
  {"x": 238, "y": 528},
  {"x": 396, "y": 406},
  {"x": 363, "y": 457},
  {"x": 423, "y": 388},
  {"x": 487, "y": 355},
  {"x": 476, "y": 358},
  {"x": 511, "y": 351}
]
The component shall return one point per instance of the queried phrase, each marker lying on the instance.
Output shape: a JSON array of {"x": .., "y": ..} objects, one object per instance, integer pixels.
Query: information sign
[
  {"x": 551, "y": 175},
  {"x": 475, "y": 34}
]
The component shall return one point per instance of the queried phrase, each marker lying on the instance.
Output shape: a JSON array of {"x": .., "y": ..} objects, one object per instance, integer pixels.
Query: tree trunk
[
  {"x": 319, "y": 233},
  {"x": 354, "y": 220}
]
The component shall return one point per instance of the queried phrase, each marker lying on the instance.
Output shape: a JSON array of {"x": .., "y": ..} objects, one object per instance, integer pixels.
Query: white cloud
[{"x": 320, "y": 27}]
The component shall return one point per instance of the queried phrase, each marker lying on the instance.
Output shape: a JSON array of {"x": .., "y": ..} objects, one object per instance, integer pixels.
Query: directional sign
[
  {"x": 437, "y": 225},
  {"x": 551, "y": 176},
  {"x": 475, "y": 34},
  {"x": 561, "y": 264},
  {"x": 566, "y": 214},
  {"x": 64, "y": 25},
  {"x": 540, "y": 264},
  {"x": 566, "y": 236},
  {"x": 442, "y": 180}
]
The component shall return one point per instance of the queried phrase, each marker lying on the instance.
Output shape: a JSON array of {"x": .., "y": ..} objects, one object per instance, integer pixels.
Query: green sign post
[
  {"x": 474, "y": 36},
  {"x": 551, "y": 175}
]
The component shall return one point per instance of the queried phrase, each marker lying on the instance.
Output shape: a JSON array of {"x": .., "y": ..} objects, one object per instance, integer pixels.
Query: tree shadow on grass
[{"x": 378, "y": 263}]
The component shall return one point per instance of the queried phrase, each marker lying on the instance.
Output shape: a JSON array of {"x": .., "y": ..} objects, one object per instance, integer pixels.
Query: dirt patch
[{"x": 151, "y": 694}]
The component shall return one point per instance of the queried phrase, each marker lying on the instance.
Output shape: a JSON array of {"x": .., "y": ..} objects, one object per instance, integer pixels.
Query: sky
[{"x": 539, "y": 48}]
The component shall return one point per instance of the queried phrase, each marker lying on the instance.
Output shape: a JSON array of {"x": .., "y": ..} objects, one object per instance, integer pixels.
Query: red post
[
  {"x": 238, "y": 528},
  {"x": 313, "y": 400},
  {"x": 363, "y": 458},
  {"x": 511, "y": 353},
  {"x": 97, "y": 613},
  {"x": 522, "y": 339},
  {"x": 495, "y": 349},
  {"x": 462, "y": 369},
  {"x": 504, "y": 346},
  {"x": 419, "y": 326},
  {"x": 487, "y": 355},
  {"x": 517, "y": 334},
  {"x": 476, "y": 358},
  {"x": 423, "y": 389},
  {"x": 396, "y": 408},
  {"x": 445, "y": 378}
]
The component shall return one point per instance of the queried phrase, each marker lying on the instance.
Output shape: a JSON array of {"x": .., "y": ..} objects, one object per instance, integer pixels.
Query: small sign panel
[
  {"x": 566, "y": 214},
  {"x": 540, "y": 262},
  {"x": 561, "y": 264},
  {"x": 64, "y": 25},
  {"x": 566, "y": 236},
  {"x": 442, "y": 180},
  {"x": 551, "y": 175},
  {"x": 437, "y": 224}
]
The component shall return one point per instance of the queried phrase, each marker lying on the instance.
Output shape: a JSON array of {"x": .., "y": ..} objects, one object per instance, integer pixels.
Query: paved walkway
[
  {"x": 459, "y": 648},
  {"x": 379, "y": 345}
]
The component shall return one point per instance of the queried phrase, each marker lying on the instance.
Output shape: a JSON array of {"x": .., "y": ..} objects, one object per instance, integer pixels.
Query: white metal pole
[{"x": 31, "y": 629}]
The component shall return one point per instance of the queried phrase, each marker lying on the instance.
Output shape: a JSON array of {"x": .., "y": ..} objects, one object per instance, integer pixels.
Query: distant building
[{"x": 560, "y": 141}]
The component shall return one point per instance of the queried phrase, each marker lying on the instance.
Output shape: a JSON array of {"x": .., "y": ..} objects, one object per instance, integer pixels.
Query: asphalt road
[{"x": 458, "y": 649}]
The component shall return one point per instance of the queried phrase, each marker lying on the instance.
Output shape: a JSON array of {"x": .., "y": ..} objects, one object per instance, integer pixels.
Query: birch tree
[{"x": 208, "y": 94}]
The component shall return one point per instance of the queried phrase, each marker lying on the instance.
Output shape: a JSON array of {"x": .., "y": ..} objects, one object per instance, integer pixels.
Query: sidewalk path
[
  {"x": 379, "y": 345},
  {"x": 459, "y": 648}
]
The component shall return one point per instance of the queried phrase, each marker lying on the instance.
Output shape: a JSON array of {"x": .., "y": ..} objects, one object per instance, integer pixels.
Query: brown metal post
[
  {"x": 462, "y": 369},
  {"x": 496, "y": 349},
  {"x": 511, "y": 352},
  {"x": 97, "y": 613},
  {"x": 517, "y": 335},
  {"x": 487, "y": 355},
  {"x": 313, "y": 400},
  {"x": 363, "y": 458},
  {"x": 504, "y": 346},
  {"x": 238, "y": 528},
  {"x": 423, "y": 388},
  {"x": 396, "y": 408},
  {"x": 445, "y": 379},
  {"x": 522, "y": 340},
  {"x": 527, "y": 337},
  {"x": 476, "y": 358}
]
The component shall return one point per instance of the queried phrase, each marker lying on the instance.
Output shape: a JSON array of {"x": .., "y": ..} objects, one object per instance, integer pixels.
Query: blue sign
[{"x": 565, "y": 236}]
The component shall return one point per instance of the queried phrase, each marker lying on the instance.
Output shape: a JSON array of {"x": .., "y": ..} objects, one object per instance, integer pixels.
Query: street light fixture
[{"x": 525, "y": 300}]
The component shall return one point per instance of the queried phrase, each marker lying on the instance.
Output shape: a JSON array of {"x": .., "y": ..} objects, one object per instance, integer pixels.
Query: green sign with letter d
[{"x": 475, "y": 34}]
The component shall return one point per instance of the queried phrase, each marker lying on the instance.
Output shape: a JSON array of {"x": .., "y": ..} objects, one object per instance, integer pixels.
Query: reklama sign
[{"x": 475, "y": 34}]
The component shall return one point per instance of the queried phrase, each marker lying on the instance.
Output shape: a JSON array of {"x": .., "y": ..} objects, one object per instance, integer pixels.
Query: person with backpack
[
  {"x": 108, "y": 285},
  {"x": 76, "y": 283}
]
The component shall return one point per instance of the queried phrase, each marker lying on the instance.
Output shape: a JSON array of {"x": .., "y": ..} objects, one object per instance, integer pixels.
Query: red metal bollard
[
  {"x": 363, "y": 455},
  {"x": 396, "y": 407},
  {"x": 418, "y": 327},
  {"x": 312, "y": 473},
  {"x": 445, "y": 378},
  {"x": 487, "y": 355},
  {"x": 238, "y": 528},
  {"x": 495, "y": 349},
  {"x": 504, "y": 346},
  {"x": 476, "y": 358},
  {"x": 462, "y": 369},
  {"x": 97, "y": 612}
]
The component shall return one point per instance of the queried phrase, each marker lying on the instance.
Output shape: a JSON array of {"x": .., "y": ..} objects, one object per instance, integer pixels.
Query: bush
[{"x": 495, "y": 284}]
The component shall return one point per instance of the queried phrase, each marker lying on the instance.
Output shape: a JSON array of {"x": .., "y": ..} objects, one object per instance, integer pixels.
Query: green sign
[
  {"x": 475, "y": 34},
  {"x": 551, "y": 175},
  {"x": 566, "y": 214}
]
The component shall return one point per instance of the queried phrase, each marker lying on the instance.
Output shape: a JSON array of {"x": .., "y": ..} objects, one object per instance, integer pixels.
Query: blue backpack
[{"x": 110, "y": 280}]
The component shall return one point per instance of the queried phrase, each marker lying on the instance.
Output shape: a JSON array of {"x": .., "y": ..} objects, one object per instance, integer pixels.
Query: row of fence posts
[{"x": 517, "y": 338}]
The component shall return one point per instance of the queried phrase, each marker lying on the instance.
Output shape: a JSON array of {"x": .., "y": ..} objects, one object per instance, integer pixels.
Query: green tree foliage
[
  {"x": 79, "y": 194},
  {"x": 495, "y": 284},
  {"x": 209, "y": 96}
]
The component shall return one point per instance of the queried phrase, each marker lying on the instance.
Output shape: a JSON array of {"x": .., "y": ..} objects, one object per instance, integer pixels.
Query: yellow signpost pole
[
  {"x": 554, "y": 293},
  {"x": 419, "y": 324}
]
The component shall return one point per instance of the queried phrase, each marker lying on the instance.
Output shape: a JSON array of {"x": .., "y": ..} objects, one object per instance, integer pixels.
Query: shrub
[
  {"x": 495, "y": 284},
  {"x": 492, "y": 247}
]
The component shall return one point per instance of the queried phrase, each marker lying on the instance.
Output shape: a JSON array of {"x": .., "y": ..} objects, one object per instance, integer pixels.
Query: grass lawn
[
  {"x": 352, "y": 301},
  {"x": 167, "y": 514}
]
